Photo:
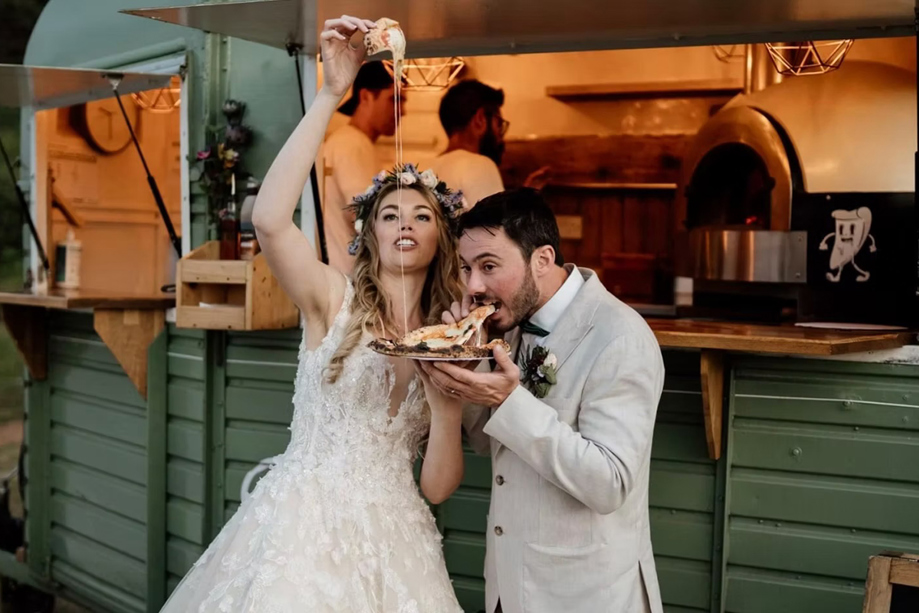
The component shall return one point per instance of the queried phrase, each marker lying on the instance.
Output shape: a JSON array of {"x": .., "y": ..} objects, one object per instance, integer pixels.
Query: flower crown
[{"x": 451, "y": 203}]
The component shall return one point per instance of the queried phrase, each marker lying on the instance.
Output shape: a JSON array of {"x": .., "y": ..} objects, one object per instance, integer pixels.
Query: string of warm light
[
  {"x": 163, "y": 100},
  {"x": 429, "y": 74},
  {"x": 808, "y": 58}
]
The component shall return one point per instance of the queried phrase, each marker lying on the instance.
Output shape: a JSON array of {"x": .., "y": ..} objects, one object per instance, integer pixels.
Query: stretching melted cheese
[{"x": 451, "y": 335}]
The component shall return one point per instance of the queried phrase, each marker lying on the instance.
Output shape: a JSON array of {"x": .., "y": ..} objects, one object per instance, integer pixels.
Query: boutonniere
[{"x": 539, "y": 371}]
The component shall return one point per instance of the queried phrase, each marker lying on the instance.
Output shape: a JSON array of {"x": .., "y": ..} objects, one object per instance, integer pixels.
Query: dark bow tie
[{"x": 528, "y": 327}]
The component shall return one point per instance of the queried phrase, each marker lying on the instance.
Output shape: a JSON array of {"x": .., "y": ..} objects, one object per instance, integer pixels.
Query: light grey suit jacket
[{"x": 568, "y": 523}]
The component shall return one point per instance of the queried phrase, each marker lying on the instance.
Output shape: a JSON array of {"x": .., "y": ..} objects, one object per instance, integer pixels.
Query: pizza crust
[
  {"x": 459, "y": 352},
  {"x": 457, "y": 340}
]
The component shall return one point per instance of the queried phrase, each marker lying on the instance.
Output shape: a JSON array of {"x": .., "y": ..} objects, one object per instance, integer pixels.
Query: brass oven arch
[{"x": 742, "y": 125}]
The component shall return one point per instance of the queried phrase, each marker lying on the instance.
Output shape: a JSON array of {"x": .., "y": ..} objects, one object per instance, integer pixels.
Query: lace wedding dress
[{"x": 338, "y": 524}]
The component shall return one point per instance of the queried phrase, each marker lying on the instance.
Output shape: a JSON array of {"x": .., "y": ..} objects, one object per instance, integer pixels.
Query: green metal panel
[
  {"x": 822, "y": 475},
  {"x": 157, "y": 458},
  {"x": 96, "y": 488},
  {"x": 683, "y": 490},
  {"x": 80, "y": 482},
  {"x": 186, "y": 520},
  {"x": 260, "y": 371},
  {"x": 180, "y": 555},
  {"x": 119, "y": 533},
  {"x": 93, "y": 593},
  {"x": 186, "y": 485},
  {"x": 106, "y": 456},
  {"x": 38, "y": 474},
  {"x": 760, "y": 591}
]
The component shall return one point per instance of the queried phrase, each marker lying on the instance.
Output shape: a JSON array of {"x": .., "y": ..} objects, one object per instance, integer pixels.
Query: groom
[{"x": 568, "y": 417}]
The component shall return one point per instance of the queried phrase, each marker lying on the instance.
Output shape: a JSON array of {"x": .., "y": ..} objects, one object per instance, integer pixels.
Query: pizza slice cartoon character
[{"x": 852, "y": 230}]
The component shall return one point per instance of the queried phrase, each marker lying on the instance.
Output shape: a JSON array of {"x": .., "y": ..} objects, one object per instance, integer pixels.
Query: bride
[{"x": 338, "y": 524}]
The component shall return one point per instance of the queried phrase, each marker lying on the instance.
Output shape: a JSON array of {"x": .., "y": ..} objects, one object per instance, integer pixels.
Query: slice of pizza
[{"x": 460, "y": 340}]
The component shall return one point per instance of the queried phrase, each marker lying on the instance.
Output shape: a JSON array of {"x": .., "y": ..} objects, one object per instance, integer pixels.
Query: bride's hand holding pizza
[{"x": 438, "y": 399}]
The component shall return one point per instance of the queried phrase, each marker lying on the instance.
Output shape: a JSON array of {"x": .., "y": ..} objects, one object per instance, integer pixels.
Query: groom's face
[{"x": 496, "y": 272}]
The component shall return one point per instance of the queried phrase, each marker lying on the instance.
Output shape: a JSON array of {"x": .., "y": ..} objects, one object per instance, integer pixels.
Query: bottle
[
  {"x": 67, "y": 264},
  {"x": 229, "y": 227},
  {"x": 248, "y": 244}
]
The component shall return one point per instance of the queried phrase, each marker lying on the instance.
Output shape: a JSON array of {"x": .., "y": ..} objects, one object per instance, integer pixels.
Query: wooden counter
[
  {"x": 784, "y": 339},
  {"x": 714, "y": 338},
  {"x": 88, "y": 299},
  {"x": 126, "y": 323}
]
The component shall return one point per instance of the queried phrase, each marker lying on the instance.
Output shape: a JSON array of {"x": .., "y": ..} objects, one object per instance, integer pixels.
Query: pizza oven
[{"x": 797, "y": 201}]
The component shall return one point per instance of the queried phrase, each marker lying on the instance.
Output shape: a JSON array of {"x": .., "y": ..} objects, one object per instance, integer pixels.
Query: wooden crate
[
  {"x": 885, "y": 571},
  {"x": 216, "y": 294}
]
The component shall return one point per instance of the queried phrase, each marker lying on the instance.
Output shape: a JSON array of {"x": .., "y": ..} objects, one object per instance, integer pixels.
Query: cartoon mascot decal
[{"x": 852, "y": 230}]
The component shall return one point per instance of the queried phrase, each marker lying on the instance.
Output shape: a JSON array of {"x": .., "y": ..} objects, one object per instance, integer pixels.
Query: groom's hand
[
  {"x": 489, "y": 389},
  {"x": 458, "y": 310}
]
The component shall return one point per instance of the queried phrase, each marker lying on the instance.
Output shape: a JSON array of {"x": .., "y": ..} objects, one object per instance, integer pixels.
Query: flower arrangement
[
  {"x": 539, "y": 371},
  {"x": 451, "y": 203},
  {"x": 221, "y": 161}
]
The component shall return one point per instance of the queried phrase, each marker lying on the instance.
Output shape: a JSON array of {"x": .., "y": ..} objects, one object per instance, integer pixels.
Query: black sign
[{"x": 861, "y": 257}]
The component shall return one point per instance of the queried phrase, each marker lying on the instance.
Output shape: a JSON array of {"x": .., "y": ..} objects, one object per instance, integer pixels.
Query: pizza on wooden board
[{"x": 460, "y": 340}]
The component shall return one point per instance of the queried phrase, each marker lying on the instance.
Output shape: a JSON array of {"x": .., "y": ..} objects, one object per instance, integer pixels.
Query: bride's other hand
[{"x": 340, "y": 59}]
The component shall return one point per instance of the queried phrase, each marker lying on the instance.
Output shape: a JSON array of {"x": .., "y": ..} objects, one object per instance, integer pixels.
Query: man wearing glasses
[{"x": 470, "y": 113}]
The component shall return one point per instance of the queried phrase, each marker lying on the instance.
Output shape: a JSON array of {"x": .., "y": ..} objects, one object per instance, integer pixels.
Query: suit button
[
  {"x": 499, "y": 480},
  {"x": 499, "y": 530}
]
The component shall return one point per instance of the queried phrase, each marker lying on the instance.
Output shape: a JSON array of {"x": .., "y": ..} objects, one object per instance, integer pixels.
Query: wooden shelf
[
  {"x": 786, "y": 340},
  {"x": 216, "y": 294},
  {"x": 87, "y": 299},
  {"x": 714, "y": 87},
  {"x": 127, "y": 324},
  {"x": 601, "y": 186}
]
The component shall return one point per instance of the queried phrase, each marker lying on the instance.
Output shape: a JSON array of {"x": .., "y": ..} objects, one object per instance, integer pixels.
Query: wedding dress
[{"x": 338, "y": 523}]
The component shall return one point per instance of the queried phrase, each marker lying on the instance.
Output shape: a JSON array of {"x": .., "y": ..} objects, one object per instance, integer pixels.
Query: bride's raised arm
[{"x": 316, "y": 288}]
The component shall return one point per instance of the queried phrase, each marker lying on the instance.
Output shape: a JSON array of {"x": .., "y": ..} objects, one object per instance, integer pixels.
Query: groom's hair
[{"x": 523, "y": 214}]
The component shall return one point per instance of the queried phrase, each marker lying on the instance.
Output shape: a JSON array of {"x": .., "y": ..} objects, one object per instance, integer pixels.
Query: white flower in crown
[
  {"x": 371, "y": 190},
  {"x": 381, "y": 177},
  {"x": 407, "y": 178},
  {"x": 359, "y": 225},
  {"x": 429, "y": 179}
]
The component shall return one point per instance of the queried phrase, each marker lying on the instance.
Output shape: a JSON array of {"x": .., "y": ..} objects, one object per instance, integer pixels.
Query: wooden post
[
  {"x": 128, "y": 333},
  {"x": 712, "y": 371}
]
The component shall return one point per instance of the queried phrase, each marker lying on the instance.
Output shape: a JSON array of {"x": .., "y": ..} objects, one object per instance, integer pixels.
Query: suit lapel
[{"x": 577, "y": 320}]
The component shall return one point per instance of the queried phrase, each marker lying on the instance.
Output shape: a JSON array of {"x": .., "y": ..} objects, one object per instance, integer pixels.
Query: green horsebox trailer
[{"x": 811, "y": 467}]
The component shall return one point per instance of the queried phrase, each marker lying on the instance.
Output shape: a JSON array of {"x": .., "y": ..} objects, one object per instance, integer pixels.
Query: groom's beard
[{"x": 524, "y": 301}]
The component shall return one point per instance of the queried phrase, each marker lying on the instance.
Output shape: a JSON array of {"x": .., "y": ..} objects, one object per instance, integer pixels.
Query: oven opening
[{"x": 731, "y": 187}]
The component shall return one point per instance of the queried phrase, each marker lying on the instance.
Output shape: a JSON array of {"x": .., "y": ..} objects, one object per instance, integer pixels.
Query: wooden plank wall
[{"x": 620, "y": 190}]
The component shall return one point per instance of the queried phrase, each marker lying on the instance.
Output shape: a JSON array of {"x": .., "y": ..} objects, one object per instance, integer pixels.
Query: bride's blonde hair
[{"x": 370, "y": 306}]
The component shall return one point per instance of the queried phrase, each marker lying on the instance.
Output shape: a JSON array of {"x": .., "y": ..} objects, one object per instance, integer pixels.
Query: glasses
[{"x": 502, "y": 122}]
